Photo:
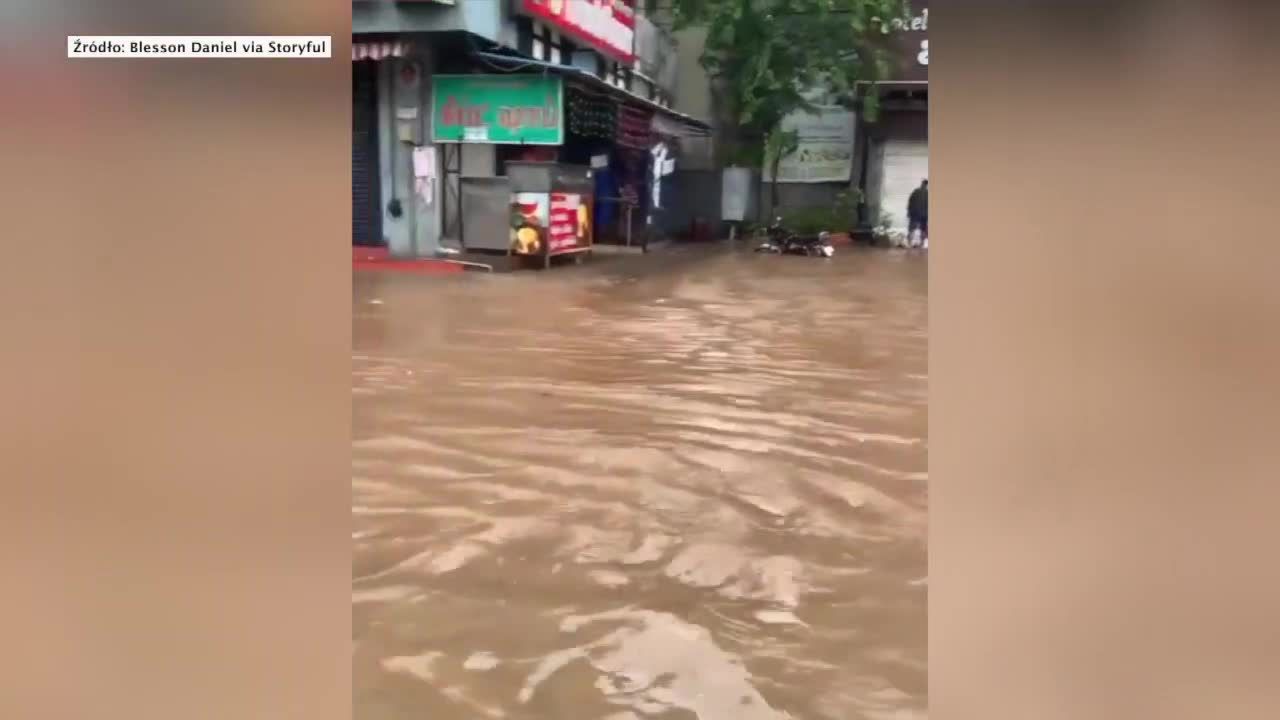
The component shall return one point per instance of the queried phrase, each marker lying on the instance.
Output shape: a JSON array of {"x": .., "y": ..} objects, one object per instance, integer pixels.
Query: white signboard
[
  {"x": 825, "y": 149},
  {"x": 735, "y": 192}
]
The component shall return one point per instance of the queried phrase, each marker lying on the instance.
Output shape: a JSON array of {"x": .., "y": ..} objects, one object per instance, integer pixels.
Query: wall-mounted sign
[
  {"x": 607, "y": 26},
  {"x": 497, "y": 109},
  {"x": 656, "y": 55},
  {"x": 824, "y": 152},
  {"x": 569, "y": 222}
]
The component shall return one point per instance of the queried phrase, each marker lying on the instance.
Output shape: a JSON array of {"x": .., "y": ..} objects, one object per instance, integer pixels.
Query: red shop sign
[{"x": 608, "y": 26}]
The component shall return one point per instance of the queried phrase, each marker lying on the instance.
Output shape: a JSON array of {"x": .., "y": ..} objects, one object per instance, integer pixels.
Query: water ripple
[{"x": 697, "y": 491}]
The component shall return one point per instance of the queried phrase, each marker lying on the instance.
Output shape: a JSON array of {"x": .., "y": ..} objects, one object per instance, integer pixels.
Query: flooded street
[{"x": 683, "y": 487}]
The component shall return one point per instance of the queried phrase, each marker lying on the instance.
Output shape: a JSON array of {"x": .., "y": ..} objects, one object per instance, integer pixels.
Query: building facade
[
  {"x": 843, "y": 151},
  {"x": 893, "y": 152},
  {"x": 409, "y": 179}
]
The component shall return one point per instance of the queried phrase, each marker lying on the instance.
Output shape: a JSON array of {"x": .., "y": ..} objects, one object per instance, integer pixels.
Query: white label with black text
[{"x": 199, "y": 46}]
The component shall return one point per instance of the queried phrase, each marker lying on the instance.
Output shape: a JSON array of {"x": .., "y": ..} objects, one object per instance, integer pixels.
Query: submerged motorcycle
[{"x": 781, "y": 241}]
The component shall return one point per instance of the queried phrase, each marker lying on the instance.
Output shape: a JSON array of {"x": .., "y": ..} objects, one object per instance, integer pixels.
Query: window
[{"x": 547, "y": 45}]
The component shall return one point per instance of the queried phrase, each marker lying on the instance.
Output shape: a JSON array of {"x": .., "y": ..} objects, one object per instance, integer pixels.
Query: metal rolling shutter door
[
  {"x": 906, "y": 163},
  {"x": 366, "y": 210}
]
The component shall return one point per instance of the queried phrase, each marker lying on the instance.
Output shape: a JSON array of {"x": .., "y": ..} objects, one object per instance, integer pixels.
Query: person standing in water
[{"x": 918, "y": 212}]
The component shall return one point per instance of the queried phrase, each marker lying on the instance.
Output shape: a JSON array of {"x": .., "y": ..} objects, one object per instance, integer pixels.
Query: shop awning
[
  {"x": 379, "y": 50},
  {"x": 666, "y": 120}
]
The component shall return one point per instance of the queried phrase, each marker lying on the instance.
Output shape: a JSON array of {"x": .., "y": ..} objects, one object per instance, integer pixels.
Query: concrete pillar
[
  {"x": 393, "y": 176},
  {"x": 401, "y": 107},
  {"x": 426, "y": 210}
]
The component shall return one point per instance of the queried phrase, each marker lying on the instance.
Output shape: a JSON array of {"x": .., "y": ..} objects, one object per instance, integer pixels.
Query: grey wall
[
  {"x": 689, "y": 194},
  {"x": 693, "y": 97},
  {"x": 695, "y": 195},
  {"x": 797, "y": 196},
  {"x": 906, "y": 122}
]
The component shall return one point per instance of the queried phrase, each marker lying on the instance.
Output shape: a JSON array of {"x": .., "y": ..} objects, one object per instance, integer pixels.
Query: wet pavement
[{"x": 690, "y": 486}]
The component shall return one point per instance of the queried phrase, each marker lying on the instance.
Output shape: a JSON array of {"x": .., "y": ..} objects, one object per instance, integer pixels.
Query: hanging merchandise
[
  {"x": 632, "y": 177},
  {"x": 591, "y": 117},
  {"x": 634, "y": 127},
  {"x": 424, "y": 173},
  {"x": 663, "y": 165}
]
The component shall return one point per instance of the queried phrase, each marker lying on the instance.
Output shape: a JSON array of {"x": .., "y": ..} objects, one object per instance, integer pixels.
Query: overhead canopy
[{"x": 665, "y": 120}]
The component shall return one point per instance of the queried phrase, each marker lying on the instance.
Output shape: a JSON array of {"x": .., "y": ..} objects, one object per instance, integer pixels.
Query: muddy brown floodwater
[{"x": 689, "y": 485}]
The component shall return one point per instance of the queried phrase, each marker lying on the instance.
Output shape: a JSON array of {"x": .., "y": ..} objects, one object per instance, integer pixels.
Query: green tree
[
  {"x": 766, "y": 56},
  {"x": 777, "y": 144}
]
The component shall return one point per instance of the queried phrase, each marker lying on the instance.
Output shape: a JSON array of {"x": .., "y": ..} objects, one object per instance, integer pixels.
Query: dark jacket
[{"x": 918, "y": 203}]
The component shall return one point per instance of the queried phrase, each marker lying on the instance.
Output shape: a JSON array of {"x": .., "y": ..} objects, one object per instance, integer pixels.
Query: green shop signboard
[{"x": 502, "y": 109}]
